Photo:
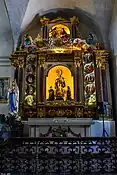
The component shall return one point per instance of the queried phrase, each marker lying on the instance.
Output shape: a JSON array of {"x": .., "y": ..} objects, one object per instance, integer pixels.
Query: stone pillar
[{"x": 41, "y": 81}]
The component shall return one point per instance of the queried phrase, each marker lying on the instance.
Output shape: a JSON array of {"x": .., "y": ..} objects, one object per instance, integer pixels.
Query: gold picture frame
[{"x": 4, "y": 86}]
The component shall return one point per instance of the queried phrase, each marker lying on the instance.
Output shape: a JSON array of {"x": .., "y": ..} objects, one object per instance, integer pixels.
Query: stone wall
[
  {"x": 5, "y": 71},
  {"x": 6, "y": 48},
  {"x": 113, "y": 45},
  {"x": 6, "y": 40},
  {"x": 16, "y": 10}
]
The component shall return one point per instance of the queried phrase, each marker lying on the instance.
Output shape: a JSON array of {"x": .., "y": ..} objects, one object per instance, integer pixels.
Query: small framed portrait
[{"x": 4, "y": 86}]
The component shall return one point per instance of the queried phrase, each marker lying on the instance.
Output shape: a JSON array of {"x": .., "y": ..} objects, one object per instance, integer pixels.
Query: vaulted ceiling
[{"x": 21, "y": 12}]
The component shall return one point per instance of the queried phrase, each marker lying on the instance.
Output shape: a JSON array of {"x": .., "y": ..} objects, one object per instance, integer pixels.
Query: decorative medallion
[
  {"x": 30, "y": 89},
  {"x": 30, "y": 78}
]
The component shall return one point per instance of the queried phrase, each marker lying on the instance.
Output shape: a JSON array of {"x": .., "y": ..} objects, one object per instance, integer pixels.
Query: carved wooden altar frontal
[{"x": 52, "y": 111}]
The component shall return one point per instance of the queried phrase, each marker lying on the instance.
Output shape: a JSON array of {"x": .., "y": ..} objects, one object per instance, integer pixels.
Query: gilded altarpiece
[{"x": 62, "y": 75}]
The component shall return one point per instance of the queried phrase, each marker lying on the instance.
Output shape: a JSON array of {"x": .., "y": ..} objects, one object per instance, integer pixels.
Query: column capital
[
  {"x": 78, "y": 59},
  {"x": 101, "y": 59},
  {"x": 41, "y": 61}
]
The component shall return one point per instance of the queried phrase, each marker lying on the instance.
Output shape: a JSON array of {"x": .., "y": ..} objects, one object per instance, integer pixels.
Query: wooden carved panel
[{"x": 59, "y": 57}]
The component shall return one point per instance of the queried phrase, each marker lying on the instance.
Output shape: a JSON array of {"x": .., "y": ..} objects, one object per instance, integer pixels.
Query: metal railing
[{"x": 58, "y": 156}]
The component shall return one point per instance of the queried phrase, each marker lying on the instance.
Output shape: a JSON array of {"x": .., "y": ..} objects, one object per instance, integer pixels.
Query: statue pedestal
[{"x": 73, "y": 127}]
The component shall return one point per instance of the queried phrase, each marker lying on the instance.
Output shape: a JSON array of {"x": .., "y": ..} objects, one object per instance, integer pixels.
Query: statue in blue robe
[
  {"x": 28, "y": 40},
  {"x": 13, "y": 99}
]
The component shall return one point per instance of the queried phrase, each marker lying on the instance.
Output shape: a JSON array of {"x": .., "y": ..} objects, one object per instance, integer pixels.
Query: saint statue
[
  {"x": 59, "y": 85},
  {"x": 28, "y": 41},
  {"x": 13, "y": 98},
  {"x": 68, "y": 93},
  {"x": 51, "y": 94},
  {"x": 91, "y": 40}
]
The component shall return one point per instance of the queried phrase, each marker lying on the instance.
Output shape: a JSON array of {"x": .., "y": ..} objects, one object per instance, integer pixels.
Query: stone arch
[{"x": 37, "y": 6}]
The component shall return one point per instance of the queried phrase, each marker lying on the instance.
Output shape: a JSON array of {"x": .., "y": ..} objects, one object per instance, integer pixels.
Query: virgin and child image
[
  {"x": 60, "y": 88},
  {"x": 59, "y": 85}
]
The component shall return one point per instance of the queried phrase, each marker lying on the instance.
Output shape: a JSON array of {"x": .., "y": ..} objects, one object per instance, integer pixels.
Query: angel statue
[
  {"x": 13, "y": 99},
  {"x": 38, "y": 41}
]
